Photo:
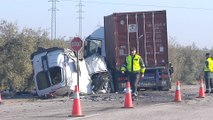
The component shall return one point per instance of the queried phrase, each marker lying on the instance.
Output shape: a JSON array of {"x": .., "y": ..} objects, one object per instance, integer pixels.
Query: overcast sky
[{"x": 188, "y": 20}]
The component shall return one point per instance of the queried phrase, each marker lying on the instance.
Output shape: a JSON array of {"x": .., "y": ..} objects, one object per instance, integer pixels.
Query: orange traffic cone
[
  {"x": 76, "y": 109},
  {"x": 128, "y": 97},
  {"x": 201, "y": 92},
  {"x": 177, "y": 93}
]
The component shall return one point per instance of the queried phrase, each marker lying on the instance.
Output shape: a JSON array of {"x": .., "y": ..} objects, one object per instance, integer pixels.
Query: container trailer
[{"x": 147, "y": 32}]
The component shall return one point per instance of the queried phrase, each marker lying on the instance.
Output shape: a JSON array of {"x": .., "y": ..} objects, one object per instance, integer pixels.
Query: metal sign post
[
  {"x": 78, "y": 69},
  {"x": 76, "y": 45}
]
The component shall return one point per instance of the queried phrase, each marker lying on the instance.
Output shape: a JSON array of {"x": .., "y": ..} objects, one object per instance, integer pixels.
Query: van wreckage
[{"x": 54, "y": 72}]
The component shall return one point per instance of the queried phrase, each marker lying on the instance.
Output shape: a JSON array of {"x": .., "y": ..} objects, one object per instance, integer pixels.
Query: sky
[{"x": 188, "y": 21}]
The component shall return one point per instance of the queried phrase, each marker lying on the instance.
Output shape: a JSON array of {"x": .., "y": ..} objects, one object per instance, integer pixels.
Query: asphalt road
[{"x": 150, "y": 105}]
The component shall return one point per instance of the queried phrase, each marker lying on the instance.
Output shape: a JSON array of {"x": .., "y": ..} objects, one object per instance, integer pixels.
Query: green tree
[
  {"x": 16, "y": 48},
  {"x": 188, "y": 61}
]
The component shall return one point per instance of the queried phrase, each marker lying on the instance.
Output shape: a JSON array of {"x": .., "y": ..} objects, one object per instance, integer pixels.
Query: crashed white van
[{"x": 55, "y": 72}]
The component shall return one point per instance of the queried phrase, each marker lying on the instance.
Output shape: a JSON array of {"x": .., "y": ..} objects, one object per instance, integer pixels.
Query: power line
[
  {"x": 53, "y": 19},
  {"x": 80, "y": 17},
  {"x": 128, "y": 4}
]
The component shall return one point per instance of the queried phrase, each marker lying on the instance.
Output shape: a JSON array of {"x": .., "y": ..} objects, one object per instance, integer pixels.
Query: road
[{"x": 150, "y": 105}]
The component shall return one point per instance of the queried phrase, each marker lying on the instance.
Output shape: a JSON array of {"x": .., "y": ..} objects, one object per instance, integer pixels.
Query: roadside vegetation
[{"x": 17, "y": 45}]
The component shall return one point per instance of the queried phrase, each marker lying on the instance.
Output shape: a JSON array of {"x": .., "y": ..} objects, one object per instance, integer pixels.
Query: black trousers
[
  {"x": 208, "y": 81},
  {"x": 134, "y": 79}
]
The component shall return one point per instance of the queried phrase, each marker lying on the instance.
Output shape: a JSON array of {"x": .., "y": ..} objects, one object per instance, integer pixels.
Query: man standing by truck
[
  {"x": 134, "y": 67},
  {"x": 208, "y": 73}
]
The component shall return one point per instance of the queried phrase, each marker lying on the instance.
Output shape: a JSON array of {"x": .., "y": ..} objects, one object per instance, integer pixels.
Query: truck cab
[
  {"x": 94, "y": 54},
  {"x": 95, "y": 43}
]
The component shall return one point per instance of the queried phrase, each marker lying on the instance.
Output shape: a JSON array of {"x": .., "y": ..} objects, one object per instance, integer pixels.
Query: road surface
[{"x": 150, "y": 105}]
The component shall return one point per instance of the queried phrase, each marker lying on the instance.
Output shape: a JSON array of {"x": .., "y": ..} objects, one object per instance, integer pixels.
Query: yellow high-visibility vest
[
  {"x": 210, "y": 65},
  {"x": 133, "y": 64}
]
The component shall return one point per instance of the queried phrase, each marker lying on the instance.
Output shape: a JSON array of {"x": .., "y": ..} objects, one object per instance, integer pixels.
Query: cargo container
[{"x": 147, "y": 32}]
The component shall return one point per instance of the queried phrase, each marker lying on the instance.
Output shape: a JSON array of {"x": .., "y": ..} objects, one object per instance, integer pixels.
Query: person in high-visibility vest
[
  {"x": 134, "y": 67},
  {"x": 208, "y": 73}
]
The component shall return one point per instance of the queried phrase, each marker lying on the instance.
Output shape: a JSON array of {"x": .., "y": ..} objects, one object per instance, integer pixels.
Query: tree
[
  {"x": 187, "y": 61},
  {"x": 16, "y": 48}
]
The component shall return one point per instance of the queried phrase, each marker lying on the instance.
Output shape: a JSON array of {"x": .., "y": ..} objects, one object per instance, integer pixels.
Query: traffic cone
[
  {"x": 201, "y": 92},
  {"x": 76, "y": 109},
  {"x": 128, "y": 97},
  {"x": 177, "y": 93}
]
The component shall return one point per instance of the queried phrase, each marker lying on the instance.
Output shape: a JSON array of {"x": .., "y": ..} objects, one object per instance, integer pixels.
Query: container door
[{"x": 152, "y": 35}]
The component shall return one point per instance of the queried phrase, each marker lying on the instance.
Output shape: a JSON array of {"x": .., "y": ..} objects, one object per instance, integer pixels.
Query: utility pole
[
  {"x": 80, "y": 17},
  {"x": 53, "y": 19}
]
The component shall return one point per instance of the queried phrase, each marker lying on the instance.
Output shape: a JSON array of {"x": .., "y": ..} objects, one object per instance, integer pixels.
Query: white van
[{"x": 55, "y": 72}]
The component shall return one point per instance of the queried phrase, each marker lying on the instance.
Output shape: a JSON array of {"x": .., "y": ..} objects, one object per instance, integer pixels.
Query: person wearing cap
[
  {"x": 134, "y": 67},
  {"x": 208, "y": 73}
]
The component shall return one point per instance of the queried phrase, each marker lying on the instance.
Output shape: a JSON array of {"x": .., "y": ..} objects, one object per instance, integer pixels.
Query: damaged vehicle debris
[
  {"x": 55, "y": 72},
  {"x": 100, "y": 76}
]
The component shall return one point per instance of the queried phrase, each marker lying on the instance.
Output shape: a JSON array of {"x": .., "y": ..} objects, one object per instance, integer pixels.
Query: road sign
[{"x": 76, "y": 44}]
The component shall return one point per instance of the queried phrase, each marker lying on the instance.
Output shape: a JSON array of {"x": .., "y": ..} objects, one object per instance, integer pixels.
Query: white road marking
[{"x": 84, "y": 117}]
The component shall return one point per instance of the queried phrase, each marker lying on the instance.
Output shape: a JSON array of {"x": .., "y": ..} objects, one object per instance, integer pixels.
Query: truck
[{"x": 147, "y": 32}]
